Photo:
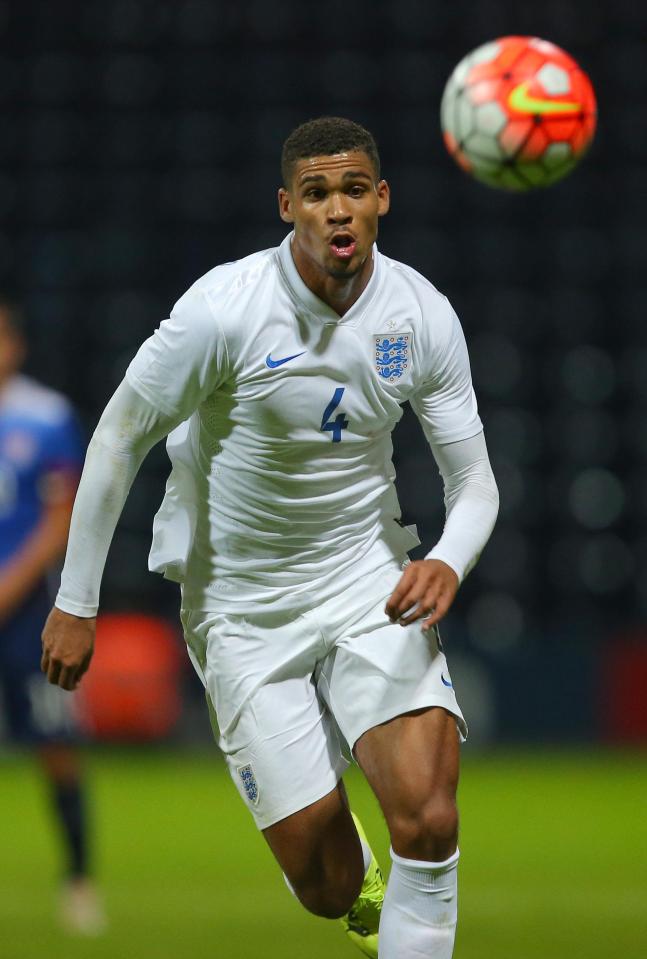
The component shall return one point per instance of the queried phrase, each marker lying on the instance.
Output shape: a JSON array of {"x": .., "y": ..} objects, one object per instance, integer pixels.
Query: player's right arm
[
  {"x": 174, "y": 370},
  {"x": 127, "y": 430}
]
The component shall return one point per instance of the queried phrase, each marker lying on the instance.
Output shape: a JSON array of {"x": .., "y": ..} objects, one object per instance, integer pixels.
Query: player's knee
[
  {"x": 440, "y": 821},
  {"x": 429, "y": 832}
]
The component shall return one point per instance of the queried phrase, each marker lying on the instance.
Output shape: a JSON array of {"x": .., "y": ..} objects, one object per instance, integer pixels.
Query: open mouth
[{"x": 343, "y": 245}]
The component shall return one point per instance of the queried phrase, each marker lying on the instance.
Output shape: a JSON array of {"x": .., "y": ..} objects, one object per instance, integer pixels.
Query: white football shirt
[{"x": 282, "y": 483}]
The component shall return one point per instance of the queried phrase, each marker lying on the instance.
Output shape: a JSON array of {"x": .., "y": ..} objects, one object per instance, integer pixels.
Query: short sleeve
[
  {"x": 184, "y": 360},
  {"x": 445, "y": 402}
]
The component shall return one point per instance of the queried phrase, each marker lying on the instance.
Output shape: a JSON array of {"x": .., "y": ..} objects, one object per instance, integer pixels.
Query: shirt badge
[
  {"x": 250, "y": 785},
  {"x": 392, "y": 355}
]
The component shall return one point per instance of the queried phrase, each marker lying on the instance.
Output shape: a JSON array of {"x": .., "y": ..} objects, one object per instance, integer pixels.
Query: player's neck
[{"x": 337, "y": 293}]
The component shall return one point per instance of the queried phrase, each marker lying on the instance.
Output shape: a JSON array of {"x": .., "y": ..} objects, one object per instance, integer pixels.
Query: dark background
[{"x": 139, "y": 148}]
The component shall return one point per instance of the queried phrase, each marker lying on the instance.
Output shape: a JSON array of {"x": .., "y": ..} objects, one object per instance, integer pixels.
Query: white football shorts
[{"x": 285, "y": 689}]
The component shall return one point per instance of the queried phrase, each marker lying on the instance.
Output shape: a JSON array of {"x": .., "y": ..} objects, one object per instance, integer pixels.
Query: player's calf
[
  {"x": 328, "y": 895},
  {"x": 320, "y": 853}
]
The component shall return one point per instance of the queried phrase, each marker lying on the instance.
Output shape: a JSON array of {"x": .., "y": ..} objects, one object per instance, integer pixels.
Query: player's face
[
  {"x": 334, "y": 203},
  {"x": 11, "y": 348}
]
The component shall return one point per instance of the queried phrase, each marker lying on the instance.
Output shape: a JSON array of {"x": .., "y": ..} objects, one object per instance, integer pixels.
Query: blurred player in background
[
  {"x": 41, "y": 455},
  {"x": 280, "y": 378}
]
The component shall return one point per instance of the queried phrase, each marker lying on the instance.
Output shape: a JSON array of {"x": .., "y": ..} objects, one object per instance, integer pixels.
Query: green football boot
[{"x": 362, "y": 921}]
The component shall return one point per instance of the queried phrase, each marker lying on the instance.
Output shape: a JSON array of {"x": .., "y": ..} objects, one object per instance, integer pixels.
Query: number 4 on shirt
[{"x": 340, "y": 422}]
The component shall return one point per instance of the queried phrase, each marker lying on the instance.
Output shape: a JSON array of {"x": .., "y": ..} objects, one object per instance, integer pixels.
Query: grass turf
[{"x": 554, "y": 862}]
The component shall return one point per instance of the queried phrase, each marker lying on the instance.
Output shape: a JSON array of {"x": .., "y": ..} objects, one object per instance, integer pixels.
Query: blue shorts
[{"x": 34, "y": 710}]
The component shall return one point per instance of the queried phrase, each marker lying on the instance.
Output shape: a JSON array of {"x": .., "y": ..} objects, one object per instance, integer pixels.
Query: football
[{"x": 518, "y": 113}]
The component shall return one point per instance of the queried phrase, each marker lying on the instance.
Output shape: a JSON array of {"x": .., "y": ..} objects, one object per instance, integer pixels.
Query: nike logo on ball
[
  {"x": 520, "y": 100},
  {"x": 272, "y": 364}
]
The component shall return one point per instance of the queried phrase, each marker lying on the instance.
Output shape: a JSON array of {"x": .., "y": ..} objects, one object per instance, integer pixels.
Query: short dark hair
[
  {"x": 14, "y": 316},
  {"x": 323, "y": 137}
]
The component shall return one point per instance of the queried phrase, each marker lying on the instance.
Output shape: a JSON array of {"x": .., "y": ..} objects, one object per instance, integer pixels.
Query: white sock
[
  {"x": 420, "y": 910},
  {"x": 366, "y": 854}
]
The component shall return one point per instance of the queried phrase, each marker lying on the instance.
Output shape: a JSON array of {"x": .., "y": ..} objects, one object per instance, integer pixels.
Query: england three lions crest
[
  {"x": 250, "y": 785},
  {"x": 392, "y": 355}
]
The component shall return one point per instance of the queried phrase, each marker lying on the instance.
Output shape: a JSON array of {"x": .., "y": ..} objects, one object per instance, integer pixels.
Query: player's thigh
[
  {"x": 317, "y": 843},
  {"x": 380, "y": 670},
  {"x": 280, "y": 742},
  {"x": 284, "y": 752},
  {"x": 412, "y": 761}
]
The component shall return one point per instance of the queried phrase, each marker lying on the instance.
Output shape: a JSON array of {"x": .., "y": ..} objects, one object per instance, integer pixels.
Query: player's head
[
  {"x": 12, "y": 338},
  {"x": 332, "y": 193},
  {"x": 325, "y": 137}
]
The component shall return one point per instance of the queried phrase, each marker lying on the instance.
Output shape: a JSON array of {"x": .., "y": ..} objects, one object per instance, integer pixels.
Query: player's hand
[
  {"x": 425, "y": 591},
  {"x": 68, "y": 644}
]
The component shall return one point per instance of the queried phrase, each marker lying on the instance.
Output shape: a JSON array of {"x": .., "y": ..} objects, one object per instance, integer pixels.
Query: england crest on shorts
[
  {"x": 392, "y": 355},
  {"x": 248, "y": 780}
]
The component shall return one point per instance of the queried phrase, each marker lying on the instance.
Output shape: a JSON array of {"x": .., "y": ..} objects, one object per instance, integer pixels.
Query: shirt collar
[{"x": 311, "y": 301}]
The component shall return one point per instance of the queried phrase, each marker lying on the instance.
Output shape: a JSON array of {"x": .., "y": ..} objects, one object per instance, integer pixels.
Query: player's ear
[
  {"x": 383, "y": 198},
  {"x": 285, "y": 206}
]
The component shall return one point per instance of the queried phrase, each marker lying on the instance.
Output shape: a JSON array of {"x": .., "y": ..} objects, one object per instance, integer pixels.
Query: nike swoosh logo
[
  {"x": 446, "y": 682},
  {"x": 520, "y": 100},
  {"x": 272, "y": 364}
]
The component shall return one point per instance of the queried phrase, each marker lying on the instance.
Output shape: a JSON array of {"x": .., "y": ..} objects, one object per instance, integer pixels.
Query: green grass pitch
[{"x": 554, "y": 862}]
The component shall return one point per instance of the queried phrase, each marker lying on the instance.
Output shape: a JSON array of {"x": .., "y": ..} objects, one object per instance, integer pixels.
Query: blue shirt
[{"x": 40, "y": 446}]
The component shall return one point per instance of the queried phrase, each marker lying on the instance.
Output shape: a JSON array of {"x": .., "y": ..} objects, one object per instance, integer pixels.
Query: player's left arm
[
  {"x": 427, "y": 587},
  {"x": 43, "y": 547},
  {"x": 446, "y": 407}
]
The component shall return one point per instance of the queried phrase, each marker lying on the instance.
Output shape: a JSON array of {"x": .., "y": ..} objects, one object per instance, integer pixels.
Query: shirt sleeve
[
  {"x": 471, "y": 502},
  {"x": 127, "y": 430},
  {"x": 445, "y": 402},
  {"x": 184, "y": 360}
]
